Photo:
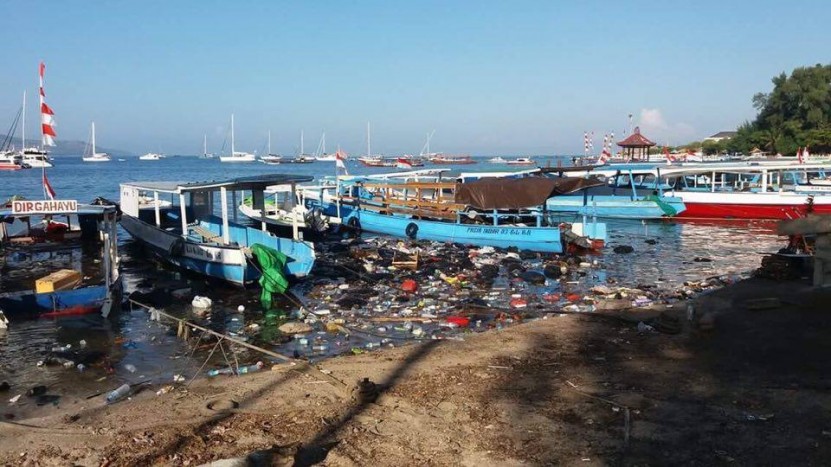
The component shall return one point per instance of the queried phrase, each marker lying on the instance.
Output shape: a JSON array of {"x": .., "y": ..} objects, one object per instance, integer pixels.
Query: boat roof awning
[
  {"x": 257, "y": 183},
  {"x": 518, "y": 193}
]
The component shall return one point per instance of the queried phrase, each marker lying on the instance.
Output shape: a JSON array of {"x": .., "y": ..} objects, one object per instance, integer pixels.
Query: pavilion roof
[{"x": 635, "y": 140}]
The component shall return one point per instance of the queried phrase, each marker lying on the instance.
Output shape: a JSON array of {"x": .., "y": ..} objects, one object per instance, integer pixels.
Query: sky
[{"x": 488, "y": 77}]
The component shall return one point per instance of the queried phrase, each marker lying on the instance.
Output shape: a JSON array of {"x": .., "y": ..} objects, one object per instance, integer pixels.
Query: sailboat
[
  {"x": 95, "y": 156},
  {"x": 270, "y": 158},
  {"x": 320, "y": 154},
  {"x": 205, "y": 153},
  {"x": 303, "y": 157},
  {"x": 237, "y": 156}
]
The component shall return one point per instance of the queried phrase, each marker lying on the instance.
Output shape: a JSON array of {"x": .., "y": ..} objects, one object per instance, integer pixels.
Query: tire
[
  {"x": 176, "y": 248},
  {"x": 355, "y": 224},
  {"x": 411, "y": 230}
]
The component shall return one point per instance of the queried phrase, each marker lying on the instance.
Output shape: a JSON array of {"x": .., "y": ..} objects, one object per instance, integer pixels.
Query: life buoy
[
  {"x": 411, "y": 230},
  {"x": 176, "y": 248}
]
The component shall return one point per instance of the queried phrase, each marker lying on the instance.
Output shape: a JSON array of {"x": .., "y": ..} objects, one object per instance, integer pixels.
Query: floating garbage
[{"x": 201, "y": 302}]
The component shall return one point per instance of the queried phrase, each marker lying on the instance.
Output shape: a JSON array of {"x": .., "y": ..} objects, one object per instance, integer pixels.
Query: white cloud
[{"x": 655, "y": 127}]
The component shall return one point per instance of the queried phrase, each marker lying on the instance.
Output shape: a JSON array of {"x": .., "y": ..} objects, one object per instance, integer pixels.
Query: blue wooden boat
[
  {"x": 619, "y": 198},
  {"x": 38, "y": 238},
  {"x": 486, "y": 213},
  {"x": 186, "y": 232}
]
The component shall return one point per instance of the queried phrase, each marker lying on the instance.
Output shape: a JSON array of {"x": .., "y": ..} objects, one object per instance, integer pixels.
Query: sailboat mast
[
  {"x": 301, "y": 143},
  {"x": 23, "y": 126},
  {"x": 323, "y": 142},
  {"x": 205, "y": 144},
  {"x": 269, "y": 141},
  {"x": 232, "y": 135},
  {"x": 93, "y": 138},
  {"x": 368, "y": 146}
]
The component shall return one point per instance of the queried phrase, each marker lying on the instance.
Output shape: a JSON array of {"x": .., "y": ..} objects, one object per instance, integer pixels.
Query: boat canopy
[
  {"x": 255, "y": 183},
  {"x": 518, "y": 193}
]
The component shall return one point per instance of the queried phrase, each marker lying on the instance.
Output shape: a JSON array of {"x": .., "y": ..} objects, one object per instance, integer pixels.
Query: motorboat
[
  {"x": 189, "y": 234},
  {"x": 521, "y": 161},
  {"x": 151, "y": 156}
]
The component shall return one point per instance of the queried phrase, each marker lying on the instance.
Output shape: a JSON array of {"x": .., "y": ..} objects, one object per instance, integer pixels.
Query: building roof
[
  {"x": 636, "y": 140},
  {"x": 724, "y": 134}
]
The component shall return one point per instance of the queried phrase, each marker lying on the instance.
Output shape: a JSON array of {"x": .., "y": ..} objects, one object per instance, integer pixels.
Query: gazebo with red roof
[{"x": 636, "y": 146}]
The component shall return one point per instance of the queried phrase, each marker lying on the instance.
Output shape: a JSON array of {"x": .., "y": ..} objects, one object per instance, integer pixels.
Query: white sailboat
[
  {"x": 94, "y": 156},
  {"x": 270, "y": 158},
  {"x": 205, "y": 153},
  {"x": 237, "y": 156},
  {"x": 320, "y": 154}
]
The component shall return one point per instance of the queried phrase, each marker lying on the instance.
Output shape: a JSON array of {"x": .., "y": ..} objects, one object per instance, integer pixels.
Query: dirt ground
[{"x": 567, "y": 390}]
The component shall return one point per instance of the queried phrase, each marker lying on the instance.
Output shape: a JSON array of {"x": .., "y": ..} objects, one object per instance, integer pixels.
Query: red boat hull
[{"x": 748, "y": 211}]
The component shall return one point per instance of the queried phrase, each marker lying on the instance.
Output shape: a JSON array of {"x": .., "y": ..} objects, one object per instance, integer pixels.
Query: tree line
[{"x": 795, "y": 114}]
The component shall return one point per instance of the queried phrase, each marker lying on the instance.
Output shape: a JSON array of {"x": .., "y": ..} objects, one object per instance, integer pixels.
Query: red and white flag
[
  {"x": 47, "y": 187},
  {"x": 47, "y": 116},
  {"x": 668, "y": 156},
  {"x": 606, "y": 153},
  {"x": 340, "y": 161}
]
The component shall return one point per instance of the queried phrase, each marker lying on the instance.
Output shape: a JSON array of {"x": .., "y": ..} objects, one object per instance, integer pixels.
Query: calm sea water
[{"x": 129, "y": 340}]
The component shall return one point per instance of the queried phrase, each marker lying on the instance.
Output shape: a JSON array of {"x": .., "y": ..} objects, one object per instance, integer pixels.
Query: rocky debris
[{"x": 623, "y": 249}]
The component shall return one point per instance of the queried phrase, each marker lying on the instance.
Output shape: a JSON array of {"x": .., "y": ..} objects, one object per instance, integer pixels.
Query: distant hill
[{"x": 69, "y": 148}]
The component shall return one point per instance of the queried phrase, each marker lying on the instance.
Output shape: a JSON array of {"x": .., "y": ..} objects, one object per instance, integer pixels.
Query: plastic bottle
[
  {"x": 62, "y": 349},
  {"x": 129, "y": 367},
  {"x": 320, "y": 348},
  {"x": 119, "y": 393},
  {"x": 690, "y": 312},
  {"x": 251, "y": 368},
  {"x": 220, "y": 371}
]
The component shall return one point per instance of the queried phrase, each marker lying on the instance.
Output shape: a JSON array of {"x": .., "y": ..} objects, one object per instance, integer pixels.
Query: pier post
[{"x": 226, "y": 235}]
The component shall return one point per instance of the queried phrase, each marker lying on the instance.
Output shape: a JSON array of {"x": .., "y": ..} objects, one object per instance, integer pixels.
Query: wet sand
[{"x": 746, "y": 386}]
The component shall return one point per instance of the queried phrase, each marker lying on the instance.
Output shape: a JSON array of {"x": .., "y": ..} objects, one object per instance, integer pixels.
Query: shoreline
[{"x": 553, "y": 390}]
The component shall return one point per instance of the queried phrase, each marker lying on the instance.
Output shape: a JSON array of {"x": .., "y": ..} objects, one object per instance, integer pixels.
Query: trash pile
[{"x": 379, "y": 292}]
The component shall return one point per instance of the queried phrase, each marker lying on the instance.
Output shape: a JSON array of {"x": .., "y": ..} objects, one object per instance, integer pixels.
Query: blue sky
[{"x": 490, "y": 77}]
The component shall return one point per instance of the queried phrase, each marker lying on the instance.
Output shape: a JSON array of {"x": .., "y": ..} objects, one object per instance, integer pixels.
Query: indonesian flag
[
  {"x": 805, "y": 155},
  {"x": 606, "y": 153},
  {"x": 340, "y": 161},
  {"x": 47, "y": 116},
  {"x": 799, "y": 156},
  {"x": 47, "y": 187},
  {"x": 403, "y": 163},
  {"x": 668, "y": 156}
]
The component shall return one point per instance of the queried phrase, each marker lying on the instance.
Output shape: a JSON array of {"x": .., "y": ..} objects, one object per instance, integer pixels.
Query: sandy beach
[{"x": 744, "y": 382}]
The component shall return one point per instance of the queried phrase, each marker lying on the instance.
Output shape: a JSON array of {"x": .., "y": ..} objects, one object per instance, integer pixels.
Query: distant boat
[
  {"x": 31, "y": 156},
  {"x": 95, "y": 156},
  {"x": 237, "y": 156},
  {"x": 205, "y": 153},
  {"x": 270, "y": 158},
  {"x": 521, "y": 161},
  {"x": 451, "y": 160},
  {"x": 11, "y": 161},
  {"x": 320, "y": 153},
  {"x": 151, "y": 156},
  {"x": 497, "y": 160}
]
